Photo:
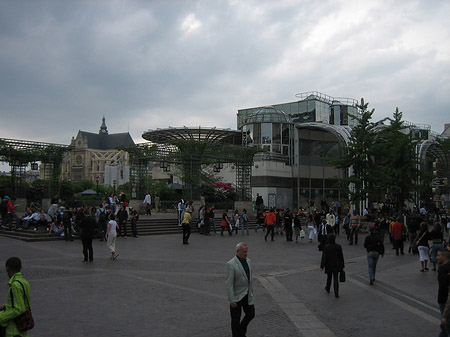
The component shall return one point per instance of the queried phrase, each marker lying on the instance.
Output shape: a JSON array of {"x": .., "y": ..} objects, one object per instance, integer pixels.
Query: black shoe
[
  {"x": 327, "y": 290},
  {"x": 336, "y": 295},
  {"x": 371, "y": 282}
]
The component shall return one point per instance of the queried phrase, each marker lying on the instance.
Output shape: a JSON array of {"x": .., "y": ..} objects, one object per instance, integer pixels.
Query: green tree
[
  {"x": 358, "y": 156},
  {"x": 398, "y": 167}
]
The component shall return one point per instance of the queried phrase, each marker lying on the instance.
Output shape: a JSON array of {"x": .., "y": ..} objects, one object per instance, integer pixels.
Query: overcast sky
[{"x": 154, "y": 64}]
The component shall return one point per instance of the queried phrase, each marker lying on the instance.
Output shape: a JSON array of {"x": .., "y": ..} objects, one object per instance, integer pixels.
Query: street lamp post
[
  {"x": 97, "y": 180},
  {"x": 114, "y": 185}
]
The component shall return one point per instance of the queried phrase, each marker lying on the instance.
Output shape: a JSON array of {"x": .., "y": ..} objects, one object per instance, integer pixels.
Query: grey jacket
[{"x": 236, "y": 281}]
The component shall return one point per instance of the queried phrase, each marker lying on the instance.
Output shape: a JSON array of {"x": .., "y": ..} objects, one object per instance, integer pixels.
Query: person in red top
[
  {"x": 397, "y": 229},
  {"x": 12, "y": 213},
  {"x": 270, "y": 220}
]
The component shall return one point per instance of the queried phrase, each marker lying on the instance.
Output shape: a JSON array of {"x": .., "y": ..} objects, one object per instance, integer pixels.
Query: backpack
[{"x": 102, "y": 217}]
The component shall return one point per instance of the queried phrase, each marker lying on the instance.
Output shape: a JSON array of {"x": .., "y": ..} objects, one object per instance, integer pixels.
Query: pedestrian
[
  {"x": 333, "y": 263},
  {"x": 180, "y": 209},
  {"x": 102, "y": 218},
  {"x": 324, "y": 230},
  {"x": 236, "y": 221},
  {"x": 270, "y": 221},
  {"x": 260, "y": 220},
  {"x": 346, "y": 225},
  {"x": 225, "y": 224},
  {"x": 186, "y": 225},
  {"x": 354, "y": 228},
  {"x": 148, "y": 203},
  {"x": 287, "y": 219},
  {"x": 239, "y": 285},
  {"x": 297, "y": 226},
  {"x": 438, "y": 243},
  {"x": 443, "y": 257},
  {"x": 122, "y": 217},
  {"x": 375, "y": 247},
  {"x": 19, "y": 300},
  {"x": 134, "y": 217},
  {"x": 244, "y": 219},
  {"x": 111, "y": 236},
  {"x": 422, "y": 245},
  {"x": 311, "y": 228},
  {"x": 87, "y": 235},
  {"x": 398, "y": 233}
]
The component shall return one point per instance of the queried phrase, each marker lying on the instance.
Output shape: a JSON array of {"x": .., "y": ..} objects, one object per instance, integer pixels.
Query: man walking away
[
  {"x": 375, "y": 248},
  {"x": 238, "y": 280}
]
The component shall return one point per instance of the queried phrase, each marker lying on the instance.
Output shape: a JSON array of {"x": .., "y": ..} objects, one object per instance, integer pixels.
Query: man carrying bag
[{"x": 15, "y": 315}]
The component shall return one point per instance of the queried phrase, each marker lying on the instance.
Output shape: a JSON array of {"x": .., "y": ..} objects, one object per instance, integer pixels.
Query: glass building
[{"x": 299, "y": 138}]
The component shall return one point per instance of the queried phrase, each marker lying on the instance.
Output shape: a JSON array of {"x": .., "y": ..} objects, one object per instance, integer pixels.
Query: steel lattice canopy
[{"x": 171, "y": 135}]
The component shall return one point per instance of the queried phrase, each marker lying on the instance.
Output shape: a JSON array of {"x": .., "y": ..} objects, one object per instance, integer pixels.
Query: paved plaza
[{"x": 159, "y": 287}]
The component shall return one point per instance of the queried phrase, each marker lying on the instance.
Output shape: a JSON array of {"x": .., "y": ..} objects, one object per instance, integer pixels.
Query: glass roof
[{"x": 268, "y": 114}]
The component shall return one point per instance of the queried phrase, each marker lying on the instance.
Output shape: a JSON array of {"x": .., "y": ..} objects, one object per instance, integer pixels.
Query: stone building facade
[{"x": 95, "y": 157}]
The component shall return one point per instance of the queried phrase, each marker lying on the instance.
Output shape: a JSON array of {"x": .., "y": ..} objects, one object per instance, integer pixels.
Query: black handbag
[
  {"x": 342, "y": 276},
  {"x": 25, "y": 321}
]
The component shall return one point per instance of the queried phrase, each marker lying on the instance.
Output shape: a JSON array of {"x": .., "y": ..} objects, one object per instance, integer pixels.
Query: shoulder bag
[
  {"x": 24, "y": 321},
  {"x": 342, "y": 276}
]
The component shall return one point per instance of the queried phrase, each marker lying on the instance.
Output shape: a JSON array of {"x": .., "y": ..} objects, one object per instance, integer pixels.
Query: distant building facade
[
  {"x": 94, "y": 156},
  {"x": 300, "y": 137}
]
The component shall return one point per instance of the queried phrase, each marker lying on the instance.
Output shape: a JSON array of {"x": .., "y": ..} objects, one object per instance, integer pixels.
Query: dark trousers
[
  {"x": 238, "y": 327},
  {"x": 103, "y": 228},
  {"x": 68, "y": 232},
  {"x": 398, "y": 244},
  {"x": 354, "y": 233},
  {"x": 88, "y": 251},
  {"x": 186, "y": 232},
  {"x": 123, "y": 228},
  {"x": 335, "y": 277},
  {"x": 134, "y": 227},
  {"x": 270, "y": 229},
  {"x": 288, "y": 229},
  {"x": 228, "y": 229},
  {"x": 337, "y": 229}
]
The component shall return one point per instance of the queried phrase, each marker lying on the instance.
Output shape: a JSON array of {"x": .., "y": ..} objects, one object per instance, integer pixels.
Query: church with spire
[{"x": 94, "y": 157}]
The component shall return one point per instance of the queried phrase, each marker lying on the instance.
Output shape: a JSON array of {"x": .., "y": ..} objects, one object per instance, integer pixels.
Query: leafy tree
[
  {"x": 399, "y": 162},
  {"x": 359, "y": 155}
]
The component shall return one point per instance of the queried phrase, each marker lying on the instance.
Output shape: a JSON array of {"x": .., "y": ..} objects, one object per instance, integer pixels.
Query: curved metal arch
[{"x": 341, "y": 132}]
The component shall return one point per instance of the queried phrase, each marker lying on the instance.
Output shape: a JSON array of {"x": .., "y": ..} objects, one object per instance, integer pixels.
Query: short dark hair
[
  {"x": 112, "y": 217},
  {"x": 14, "y": 264},
  {"x": 331, "y": 238}
]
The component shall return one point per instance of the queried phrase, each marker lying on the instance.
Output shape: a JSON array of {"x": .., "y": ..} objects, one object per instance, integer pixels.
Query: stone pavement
[{"x": 159, "y": 287}]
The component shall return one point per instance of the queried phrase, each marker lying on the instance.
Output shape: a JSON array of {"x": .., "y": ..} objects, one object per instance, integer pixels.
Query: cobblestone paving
[{"x": 159, "y": 287}]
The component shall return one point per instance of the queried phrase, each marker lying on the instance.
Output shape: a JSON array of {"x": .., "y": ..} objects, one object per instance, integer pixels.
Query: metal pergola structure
[
  {"x": 19, "y": 153},
  {"x": 190, "y": 148}
]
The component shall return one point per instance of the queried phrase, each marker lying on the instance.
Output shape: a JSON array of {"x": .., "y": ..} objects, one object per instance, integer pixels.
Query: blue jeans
[
  {"x": 372, "y": 259},
  {"x": 213, "y": 225},
  {"x": 434, "y": 250},
  {"x": 244, "y": 226}
]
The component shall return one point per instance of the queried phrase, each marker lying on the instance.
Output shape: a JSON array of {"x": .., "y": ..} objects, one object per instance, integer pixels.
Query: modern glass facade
[{"x": 313, "y": 107}]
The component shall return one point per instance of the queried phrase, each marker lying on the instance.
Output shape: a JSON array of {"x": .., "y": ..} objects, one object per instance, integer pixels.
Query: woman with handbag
[{"x": 333, "y": 262}]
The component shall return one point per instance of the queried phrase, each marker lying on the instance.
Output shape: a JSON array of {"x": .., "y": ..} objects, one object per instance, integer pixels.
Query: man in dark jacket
[
  {"x": 324, "y": 230},
  {"x": 122, "y": 216},
  {"x": 88, "y": 226},
  {"x": 375, "y": 247},
  {"x": 333, "y": 262}
]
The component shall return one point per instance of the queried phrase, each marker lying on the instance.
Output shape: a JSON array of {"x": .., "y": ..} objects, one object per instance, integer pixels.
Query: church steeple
[{"x": 103, "y": 129}]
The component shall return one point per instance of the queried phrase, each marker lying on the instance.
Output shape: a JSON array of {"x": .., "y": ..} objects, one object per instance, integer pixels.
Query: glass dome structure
[{"x": 270, "y": 129}]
